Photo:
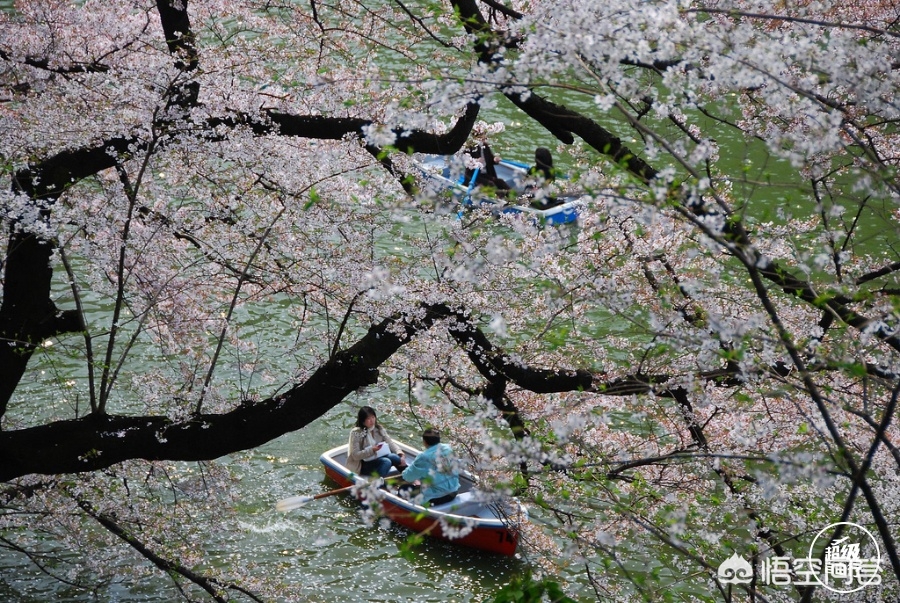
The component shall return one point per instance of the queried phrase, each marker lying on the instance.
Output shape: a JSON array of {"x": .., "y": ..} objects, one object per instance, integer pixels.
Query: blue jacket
[{"x": 435, "y": 467}]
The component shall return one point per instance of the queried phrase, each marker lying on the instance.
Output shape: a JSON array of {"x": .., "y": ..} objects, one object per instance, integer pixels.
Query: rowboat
[
  {"x": 473, "y": 519},
  {"x": 439, "y": 175}
]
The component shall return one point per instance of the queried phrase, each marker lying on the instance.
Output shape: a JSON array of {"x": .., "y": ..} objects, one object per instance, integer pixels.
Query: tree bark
[{"x": 28, "y": 315}]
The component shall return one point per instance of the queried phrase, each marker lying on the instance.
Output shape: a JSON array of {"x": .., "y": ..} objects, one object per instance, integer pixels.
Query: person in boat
[
  {"x": 543, "y": 165},
  {"x": 371, "y": 450},
  {"x": 542, "y": 171},
  {"x": 487, "y": 175},
  {"x": 433, "y": 472}
]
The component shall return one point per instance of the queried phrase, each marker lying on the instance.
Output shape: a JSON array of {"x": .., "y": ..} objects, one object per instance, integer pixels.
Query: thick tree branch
[
  {"x": 176, "y": 24},
  {"x": 96, "y": 442},
  {"x": 494, "y": 364},
  {"x": 560, "y": 121},
  {"x": 335, "y": 128},
  {"x": 503, "y": 9}
]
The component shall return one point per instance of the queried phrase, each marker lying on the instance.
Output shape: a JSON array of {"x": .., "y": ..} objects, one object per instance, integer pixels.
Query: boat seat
[{"x": 456, "y": 505}]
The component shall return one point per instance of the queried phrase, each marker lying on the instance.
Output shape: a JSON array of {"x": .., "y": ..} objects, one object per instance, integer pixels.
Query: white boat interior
[{"x": 468, "y": 503}]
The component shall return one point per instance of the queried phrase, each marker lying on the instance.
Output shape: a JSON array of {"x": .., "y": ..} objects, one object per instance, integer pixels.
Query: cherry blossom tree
[{"x": 707, "y": 366}]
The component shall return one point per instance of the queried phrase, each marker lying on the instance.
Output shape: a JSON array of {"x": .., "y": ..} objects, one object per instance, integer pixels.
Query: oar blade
[{"x": 291, "y": 503}]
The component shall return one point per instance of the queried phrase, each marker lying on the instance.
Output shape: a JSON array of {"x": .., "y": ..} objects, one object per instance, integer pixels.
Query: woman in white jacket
[{"x": 371, "y": 449}]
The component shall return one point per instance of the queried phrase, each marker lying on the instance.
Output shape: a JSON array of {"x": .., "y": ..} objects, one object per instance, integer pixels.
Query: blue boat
[{"x": 439, "y": 173}]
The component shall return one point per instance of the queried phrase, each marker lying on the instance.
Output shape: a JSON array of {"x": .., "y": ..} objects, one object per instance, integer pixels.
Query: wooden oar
[{"x": 295, "y": 502}]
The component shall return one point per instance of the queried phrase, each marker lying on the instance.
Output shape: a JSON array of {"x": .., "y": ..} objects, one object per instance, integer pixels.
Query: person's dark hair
[
  {"x": 364, "y": 413},
  {"x": 431, "y": 436},
  {"x": 543, "y": 163},
  {"x": 488, "y": 157}
]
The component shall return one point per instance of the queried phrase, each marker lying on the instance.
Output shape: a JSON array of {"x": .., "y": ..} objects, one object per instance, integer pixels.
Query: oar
[{"x": 295, "y": 502}]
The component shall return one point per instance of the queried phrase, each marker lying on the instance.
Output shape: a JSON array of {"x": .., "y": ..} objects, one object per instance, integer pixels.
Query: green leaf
[{"x": 313, "y": 199}]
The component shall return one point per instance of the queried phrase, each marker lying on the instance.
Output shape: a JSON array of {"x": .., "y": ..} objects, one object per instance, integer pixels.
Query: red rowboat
[{"x": 472, "y": 519}]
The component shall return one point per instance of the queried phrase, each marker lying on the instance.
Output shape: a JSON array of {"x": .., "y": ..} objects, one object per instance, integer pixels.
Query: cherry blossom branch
[
  {"x": 94, "y": 66},
  {"x": 738, "y": 241},
  {"x": 559, "y": 120},
  {"x": 687, "y": 412},
  {"x": 790, "y": 19},
  {"x": 880, "y": 436},
  {"x": 96, "y": 442},
  {"x": 27, "y": 313},
  {"x": 685, "y": 454},
  {"x": 45, "y": 65},
  {"x": 131, "y": 193},
  {"x": 812, "y": 390},
  {"x": 176, "y": 24},
  {"x": 734, "y": 237},
  {"x": 99, "y": 441},
  {"x": 234, "y": 302},
  {"x": 844, "y": 453},
  {"x": 727, "y": 477},
  {"x": 422, "y": 25},
  {"x": 688, "y": 416},
  {"x": 211, "y": 585},
  {"x": 38, "y": 560},
  {"x": 343, "y": 325},
  {"x": 660, "y": 459},
  {"x": 664, "y": 537},
  {"x": 895, "y": 452},
  {"x": 88, "y": 345}
]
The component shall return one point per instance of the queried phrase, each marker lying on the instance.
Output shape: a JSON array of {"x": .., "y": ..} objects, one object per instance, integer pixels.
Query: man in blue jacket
[{"x": 434, "y": 469}]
